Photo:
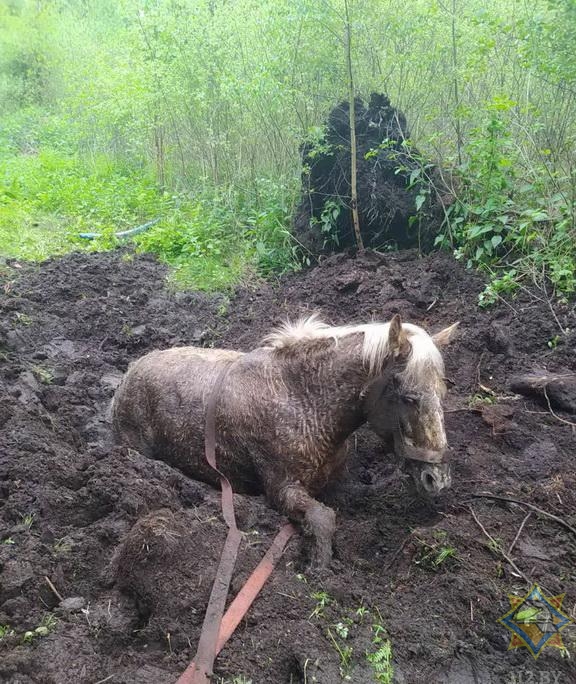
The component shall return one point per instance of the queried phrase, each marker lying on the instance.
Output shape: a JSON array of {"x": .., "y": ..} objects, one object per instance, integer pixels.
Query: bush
[{"x": 510, "y": 222}]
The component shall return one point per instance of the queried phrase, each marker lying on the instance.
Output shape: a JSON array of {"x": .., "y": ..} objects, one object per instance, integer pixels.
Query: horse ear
[
  {"x": 442, "y": 338},
  {"x": 397, "y": 339}
]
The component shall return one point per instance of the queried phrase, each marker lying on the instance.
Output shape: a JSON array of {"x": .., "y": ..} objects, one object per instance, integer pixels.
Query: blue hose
[{"x": 122, "y": 233}]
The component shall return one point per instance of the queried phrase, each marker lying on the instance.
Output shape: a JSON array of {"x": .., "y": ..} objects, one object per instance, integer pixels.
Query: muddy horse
[{"x": 286, "y": 410}]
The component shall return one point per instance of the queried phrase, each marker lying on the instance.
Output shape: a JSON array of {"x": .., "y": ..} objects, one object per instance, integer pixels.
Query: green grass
[{"x": 212, "y": 237}]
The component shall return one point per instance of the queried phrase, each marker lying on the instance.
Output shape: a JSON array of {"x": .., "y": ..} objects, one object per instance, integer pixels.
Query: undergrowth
[
  {"x": 211, "y": 236},
  {"x": 512, "y": 218}
]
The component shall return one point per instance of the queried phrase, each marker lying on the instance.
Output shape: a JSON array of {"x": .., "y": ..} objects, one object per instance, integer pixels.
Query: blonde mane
[{"x": 424, "y": 356}]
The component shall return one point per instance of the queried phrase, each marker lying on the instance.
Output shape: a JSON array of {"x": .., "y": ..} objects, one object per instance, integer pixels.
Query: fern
[{"x": 381, "y": 659}]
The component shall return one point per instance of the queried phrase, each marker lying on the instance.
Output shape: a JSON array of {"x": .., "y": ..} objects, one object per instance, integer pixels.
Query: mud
[{"x": 132, "y": 544}]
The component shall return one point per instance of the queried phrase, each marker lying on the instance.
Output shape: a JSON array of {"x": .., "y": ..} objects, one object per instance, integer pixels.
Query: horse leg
[{"x": 318, "y": 521}]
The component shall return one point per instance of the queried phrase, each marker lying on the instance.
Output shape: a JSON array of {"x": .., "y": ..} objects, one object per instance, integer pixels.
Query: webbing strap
[
  {"x": 216, "y": 630},
  {"x": 206, "y": 653}
]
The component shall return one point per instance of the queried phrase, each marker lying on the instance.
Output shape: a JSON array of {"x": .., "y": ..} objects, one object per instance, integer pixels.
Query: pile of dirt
[
  {"x": 398, "y": 201},
  {"x": 131, "y": 544}
]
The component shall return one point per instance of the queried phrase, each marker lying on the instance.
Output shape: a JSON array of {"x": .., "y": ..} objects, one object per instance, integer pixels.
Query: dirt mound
[
  {"x": 393, "y": 182},
  {"x": 132, "y": 544}
]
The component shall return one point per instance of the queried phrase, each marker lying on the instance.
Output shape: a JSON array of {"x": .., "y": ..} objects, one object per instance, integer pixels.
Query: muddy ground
[{"x": 425, "y": 572}]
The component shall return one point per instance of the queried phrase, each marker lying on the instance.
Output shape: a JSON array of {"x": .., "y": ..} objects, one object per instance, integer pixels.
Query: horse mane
[{"x": 424, "y": 356}]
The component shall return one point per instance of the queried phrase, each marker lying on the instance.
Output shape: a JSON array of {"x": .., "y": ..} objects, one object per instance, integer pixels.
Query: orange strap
[
  {"x": 216, "y": 630},
  {"x": 245, "y": 597}
]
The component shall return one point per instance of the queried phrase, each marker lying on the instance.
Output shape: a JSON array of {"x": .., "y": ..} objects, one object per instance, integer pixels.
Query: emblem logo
[{"x": 536, "y": 621}]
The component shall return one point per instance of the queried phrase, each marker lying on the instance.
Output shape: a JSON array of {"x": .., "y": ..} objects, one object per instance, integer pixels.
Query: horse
[{"x": 286, "y": 409}]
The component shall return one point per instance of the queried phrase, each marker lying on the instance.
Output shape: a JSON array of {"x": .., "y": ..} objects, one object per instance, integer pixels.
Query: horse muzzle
[
  {"x": 433, "y": 478},
  {"x": 414, "y": 453}
]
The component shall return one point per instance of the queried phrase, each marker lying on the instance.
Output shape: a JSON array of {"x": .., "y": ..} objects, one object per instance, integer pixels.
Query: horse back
[{"x": 159, "y": 404}]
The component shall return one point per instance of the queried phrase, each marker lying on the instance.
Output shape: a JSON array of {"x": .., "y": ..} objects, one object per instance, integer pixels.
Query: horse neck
[{"x": 330, "y": 377}]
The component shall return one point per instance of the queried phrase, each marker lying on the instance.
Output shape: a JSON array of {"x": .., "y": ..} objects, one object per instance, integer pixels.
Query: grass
[
  {"x": 62, "y": 546},
  {"x": 323, "y": 600},
  {"x": 211, "y": 237},
  {"x": 27, "y": 520},
  {"x": 5, "y": 631},
  {"x": 435, "y": 554},
  {"x": 43, "y": 374},
  {"x": 344, "y": 653}
]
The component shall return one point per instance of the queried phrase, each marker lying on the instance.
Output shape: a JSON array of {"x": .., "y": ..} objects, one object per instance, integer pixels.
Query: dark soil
[{"x": 136, "y": 543}]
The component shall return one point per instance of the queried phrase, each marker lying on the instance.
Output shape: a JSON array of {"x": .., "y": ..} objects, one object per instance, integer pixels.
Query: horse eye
[{"x": 410, "y": 399}]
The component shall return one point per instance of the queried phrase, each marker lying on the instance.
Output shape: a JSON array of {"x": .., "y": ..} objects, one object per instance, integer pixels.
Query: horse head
[{"x": 405, "y": 401}]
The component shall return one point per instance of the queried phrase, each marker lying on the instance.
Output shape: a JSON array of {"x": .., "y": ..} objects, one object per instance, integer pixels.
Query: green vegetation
[
  {"x": 344, "y": 651},
  {"x": 435, "y": 553},
  {"x": 27, "y": 520},
  {"x": 5, "y": 631},
  {"x": 46, "y": 626},
  {"x": 113, "y": 114},
  {"x": 43, "y": 374},
  {"x": 381, "y": 658},
  {"x": 323, "y": 600}
]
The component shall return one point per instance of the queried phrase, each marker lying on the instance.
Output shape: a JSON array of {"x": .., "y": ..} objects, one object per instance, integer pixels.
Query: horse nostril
[{"x": 429, "y": 482}]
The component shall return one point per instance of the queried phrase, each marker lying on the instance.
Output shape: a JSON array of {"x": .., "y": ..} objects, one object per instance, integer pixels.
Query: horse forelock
[{"x": 424, "y": 365}]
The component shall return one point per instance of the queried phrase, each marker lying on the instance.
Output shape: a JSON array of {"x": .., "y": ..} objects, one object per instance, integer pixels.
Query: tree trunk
[{"x": 353, "y": 152}]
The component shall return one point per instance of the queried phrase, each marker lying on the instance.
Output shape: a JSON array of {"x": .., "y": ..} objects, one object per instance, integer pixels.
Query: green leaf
[
  {"x": 527, "y": 615},
  {"x": 496, "y": 240}
]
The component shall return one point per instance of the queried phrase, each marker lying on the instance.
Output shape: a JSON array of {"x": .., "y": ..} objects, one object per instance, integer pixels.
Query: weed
[
  {"x": 479, "y": 399},
  {"x": 322, "y": 601},
  {"x": 433, "y": 556},
  {"x": 46, "y": 626},
  {"x": 495, "y": 545},
  {"x": 223, "y": 307},
  {"x": 5, "y": 631},
  {"x": 444, "y": 554},
  {"x": 381, "y": 658},
  {"x": 62, "y": 546},
  {"x": 508, "y": 225},
  {"x": 342, "y": 629},
  {"x": 43, "y": 374},
  {"x": 27, "y": 520},
  {"x": 344, "y": 653},
  {"x": 553, "y": 342},
  {"x": 22, "y": 318},
  {"x": 8, "y": 541},
  {"x": 328, "y": 222}
]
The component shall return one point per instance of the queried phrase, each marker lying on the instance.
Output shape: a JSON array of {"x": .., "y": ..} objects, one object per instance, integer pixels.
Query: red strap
[
  {"x": 206, "y": 653},
  {"x": 241, "y": 604},
  {"x": 245, "y": 597},
  {"x": 215, "y": 630}
]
